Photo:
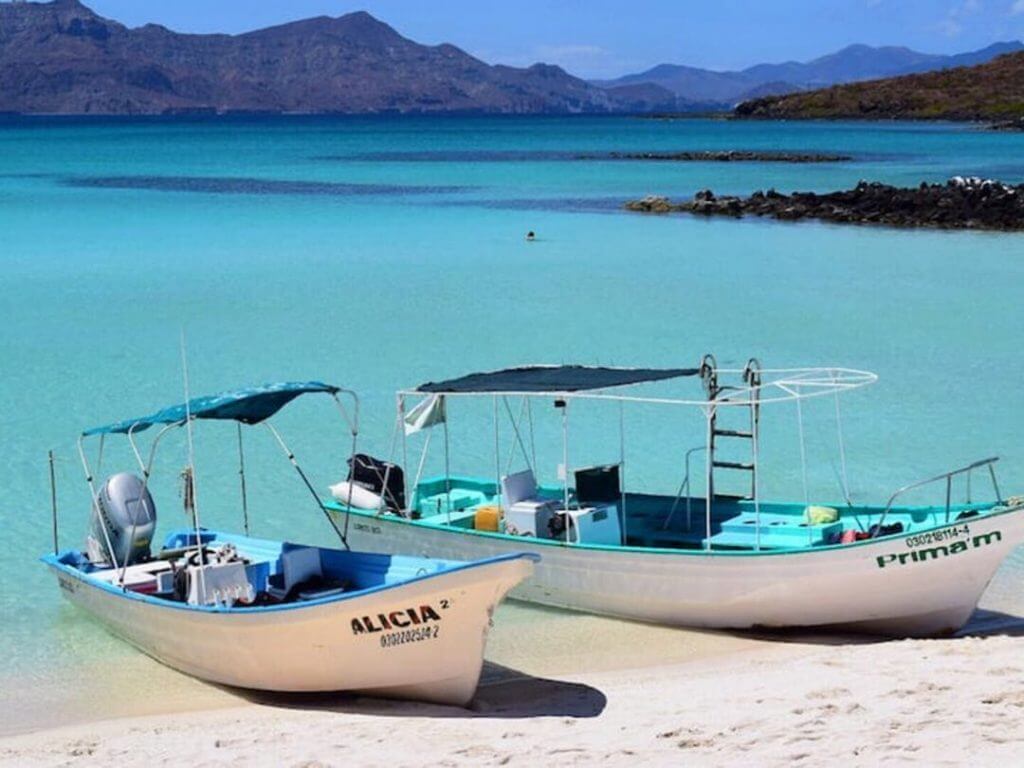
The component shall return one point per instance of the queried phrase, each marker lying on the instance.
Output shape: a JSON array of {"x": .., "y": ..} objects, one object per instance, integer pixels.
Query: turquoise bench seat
[
  {"x": 776, "y": 532},
  {"x": 443, "y": 503}
]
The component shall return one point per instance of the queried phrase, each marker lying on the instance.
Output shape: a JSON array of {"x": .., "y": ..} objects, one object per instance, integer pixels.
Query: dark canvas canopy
[
  {"x": 249, "y": 406},
  {"x": 554, "y": 378}
]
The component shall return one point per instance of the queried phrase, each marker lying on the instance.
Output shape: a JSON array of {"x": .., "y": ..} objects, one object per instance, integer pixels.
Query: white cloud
[
  {"x": 561, "y": 52},
  {"x": 953, "y": 23},
  {"x": 950, "y": 27},
  {"x": 580, "y": 59},
  {"x": 1017, "y": 8}
]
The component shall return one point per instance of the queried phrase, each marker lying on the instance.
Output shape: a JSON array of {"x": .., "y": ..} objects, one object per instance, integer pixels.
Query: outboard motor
[{"x": 125, "y": 516}]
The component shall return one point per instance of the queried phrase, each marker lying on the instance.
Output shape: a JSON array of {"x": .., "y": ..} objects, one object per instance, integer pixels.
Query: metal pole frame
[
  {"x": 241, "y": 478},
  {"x": 709, "y": 415},
  {"x": 622, "y": 471},
  {"x": 447, "y": 464},
  {"x": 565, "y": 456},
  {"x": 497, "y": 448},
  {"x": 95, "y": 503},
  {"x": 405, "y": 450},
  {"x": 146, "y": 469},
  {"x": 353, "y": 426},
  {"x": 305, "y": 479},
  {"x": 53, "y": 503}
]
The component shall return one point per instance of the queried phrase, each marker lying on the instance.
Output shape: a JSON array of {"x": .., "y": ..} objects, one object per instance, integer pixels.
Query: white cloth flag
[{"x": 427, "y": 413}]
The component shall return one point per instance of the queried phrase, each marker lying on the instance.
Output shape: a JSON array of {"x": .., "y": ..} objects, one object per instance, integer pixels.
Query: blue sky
[{"x": 602, "y": 38}]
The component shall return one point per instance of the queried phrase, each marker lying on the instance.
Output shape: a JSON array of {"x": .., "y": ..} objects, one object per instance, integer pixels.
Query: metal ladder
[{"x": 752, "y": 380}]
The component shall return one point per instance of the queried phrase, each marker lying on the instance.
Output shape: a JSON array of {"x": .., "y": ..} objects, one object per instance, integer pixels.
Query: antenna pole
[
  {"x": 53, "y": 502},
  {"x": 241, "y": 476},
  {"x": 192, "y": 468}
]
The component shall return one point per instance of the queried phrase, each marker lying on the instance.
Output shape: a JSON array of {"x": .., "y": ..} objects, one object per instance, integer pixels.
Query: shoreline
[{"x": 787, "y": 703}]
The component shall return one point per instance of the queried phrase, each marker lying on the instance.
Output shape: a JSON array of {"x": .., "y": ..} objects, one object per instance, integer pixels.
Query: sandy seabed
[{"x": 759, "y": 701}]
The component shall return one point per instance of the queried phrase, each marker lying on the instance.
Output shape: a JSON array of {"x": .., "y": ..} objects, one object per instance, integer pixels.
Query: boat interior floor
[
  {"x": 243, "y": 572},
  {"x": 689, "y": 523}
]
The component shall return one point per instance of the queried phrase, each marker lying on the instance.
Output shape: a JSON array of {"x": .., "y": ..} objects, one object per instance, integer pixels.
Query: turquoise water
[{"x": 381, "y": 253}]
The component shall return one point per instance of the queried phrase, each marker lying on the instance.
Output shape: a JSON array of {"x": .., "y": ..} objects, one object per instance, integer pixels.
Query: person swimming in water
[{"x": 530, "y": 236}]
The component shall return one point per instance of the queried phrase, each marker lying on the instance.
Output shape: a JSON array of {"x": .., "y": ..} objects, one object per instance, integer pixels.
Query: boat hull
[
  {"x": 924, "y": 584},
  {"x": 419, "y": 640}
]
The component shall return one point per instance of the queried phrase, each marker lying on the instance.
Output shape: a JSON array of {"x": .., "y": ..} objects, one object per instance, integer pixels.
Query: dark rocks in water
[
  {"x": 725, "y": 156},
  {"x": 960, "y": 203},
  {"x": 1008, "y": 125}
]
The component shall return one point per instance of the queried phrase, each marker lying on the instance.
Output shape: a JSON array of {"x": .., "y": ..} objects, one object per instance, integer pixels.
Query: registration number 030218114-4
[{"x": 935, "y": 537}]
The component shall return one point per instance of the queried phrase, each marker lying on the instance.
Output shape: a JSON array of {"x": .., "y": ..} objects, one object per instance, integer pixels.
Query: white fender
[{"x": 356, "y": 496}]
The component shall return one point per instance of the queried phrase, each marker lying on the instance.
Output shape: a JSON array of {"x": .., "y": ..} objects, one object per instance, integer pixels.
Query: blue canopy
[
  {"x": 553, "y": 378},
  {"x": 249, "y": 406}
]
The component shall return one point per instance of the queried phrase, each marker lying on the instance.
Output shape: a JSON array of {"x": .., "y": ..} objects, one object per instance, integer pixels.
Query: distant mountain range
[
  {"x": 990, "y": 91},
  {"x": 703, "y": 87},
  {"x": 60, "y": 57}
]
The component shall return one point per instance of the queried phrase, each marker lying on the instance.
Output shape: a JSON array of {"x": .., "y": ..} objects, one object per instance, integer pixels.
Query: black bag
[
  {"x": 598, "y": 485},
  {"x": 370, "y": 473}
]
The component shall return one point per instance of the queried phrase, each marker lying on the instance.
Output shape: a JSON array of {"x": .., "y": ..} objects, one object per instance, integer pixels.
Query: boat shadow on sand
[
  {"x": 503, "y": 693},
  {"x": 983, "y": 623}
]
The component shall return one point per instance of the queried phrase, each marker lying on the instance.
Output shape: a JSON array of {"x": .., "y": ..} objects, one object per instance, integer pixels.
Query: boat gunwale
[
  {"x": 337, "y": 508},
  {"x": 53, "y": 561}
]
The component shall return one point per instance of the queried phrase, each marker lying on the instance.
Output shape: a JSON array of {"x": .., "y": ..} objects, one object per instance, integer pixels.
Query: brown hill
[
  {"x": 992, "y": 91},
  {"x": 61, "y": 58}
]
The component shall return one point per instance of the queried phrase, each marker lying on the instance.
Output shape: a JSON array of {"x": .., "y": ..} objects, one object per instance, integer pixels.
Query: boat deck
[{"x": 667, "y": 522}]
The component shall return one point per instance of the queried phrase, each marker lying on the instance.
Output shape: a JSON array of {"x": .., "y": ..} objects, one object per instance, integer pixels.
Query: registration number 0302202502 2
[
  {"x": 406, "y": 625},
  {"x": 415, "y": 635}
]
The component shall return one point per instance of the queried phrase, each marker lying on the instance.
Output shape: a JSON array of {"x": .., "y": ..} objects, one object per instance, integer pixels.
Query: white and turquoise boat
[
  {"x": 713, "y": 560},
  {"x": 271, "y": 615}
]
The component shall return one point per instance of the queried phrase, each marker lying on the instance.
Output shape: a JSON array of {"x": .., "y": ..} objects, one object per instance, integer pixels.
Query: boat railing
[
  {"x": 948, "y": 477},
  {"x": 684, "y": 487}
]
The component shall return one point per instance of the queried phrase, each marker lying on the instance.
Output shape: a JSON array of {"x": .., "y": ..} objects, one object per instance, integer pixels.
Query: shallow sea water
[{"x": 381, "y": 253}]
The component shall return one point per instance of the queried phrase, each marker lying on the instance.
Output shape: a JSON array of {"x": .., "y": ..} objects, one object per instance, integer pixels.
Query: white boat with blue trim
[
  {"x": 277, "y": 616},
  {"x": 714, "y": 560}
]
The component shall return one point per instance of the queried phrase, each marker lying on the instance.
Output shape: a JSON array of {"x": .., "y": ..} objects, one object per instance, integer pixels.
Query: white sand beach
[{"x": 772, "y": 700}]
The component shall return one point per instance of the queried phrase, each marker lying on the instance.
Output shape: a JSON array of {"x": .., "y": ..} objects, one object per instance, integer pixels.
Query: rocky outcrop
[
  {"x": 960, "y": 203},
  {"x": 1008, "y": 125}
]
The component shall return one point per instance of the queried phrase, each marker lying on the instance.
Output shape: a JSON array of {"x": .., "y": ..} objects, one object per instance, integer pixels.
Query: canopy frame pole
[
  {"x": 755, "y": 429},
  {"x": 533, "y": 442},
  {"x": 53, "y": 501},
  {"x": 709, "y": 417},
  {"x": 95, "y": 499},
  {"x": 447, "y": 465},
  {"x": 517, "y": 439},
  {"x": 803, "y": 462},
  {"x": 146, "y": 468},
  {"x": 565, "y": 458},
  {"x": 382, "y": 504},
  {"x": 305, "y": 479},
  {"x": 353, "y": 426},
  {"x": 622, "y": 471},
  {"x": 497, "y": 447},
  {"x": 405, "y": 451},
  {"x": 192, "y": 468},
  {"x": 423, "y": 460},
  {"x": 241, "y": 479},
  {"x": 842, "y": 453}
]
